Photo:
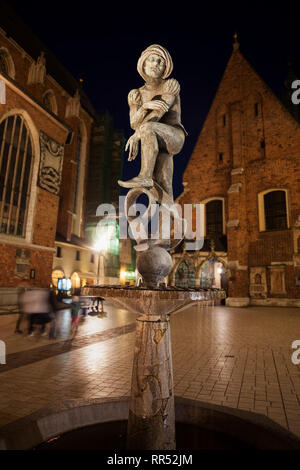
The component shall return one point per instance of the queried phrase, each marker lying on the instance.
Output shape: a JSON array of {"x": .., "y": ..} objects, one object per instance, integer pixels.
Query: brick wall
[
  {"x": 262, "y": 138},
  {"x": 39, "y": 260}
]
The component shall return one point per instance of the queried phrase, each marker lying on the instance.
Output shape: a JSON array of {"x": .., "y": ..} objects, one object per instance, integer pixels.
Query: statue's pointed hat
[{"x": 162, "y": 52}]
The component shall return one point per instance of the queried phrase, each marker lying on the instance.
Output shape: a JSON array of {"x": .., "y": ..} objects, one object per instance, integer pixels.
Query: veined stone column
[{"x": 151, "y": 422}]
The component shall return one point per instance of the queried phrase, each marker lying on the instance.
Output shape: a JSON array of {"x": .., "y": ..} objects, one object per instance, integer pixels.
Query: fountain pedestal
[{"x": 151, "y": 421}]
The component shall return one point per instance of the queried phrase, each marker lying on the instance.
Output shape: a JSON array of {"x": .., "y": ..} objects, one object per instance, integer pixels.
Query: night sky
[{"x": 102, "y": 43}]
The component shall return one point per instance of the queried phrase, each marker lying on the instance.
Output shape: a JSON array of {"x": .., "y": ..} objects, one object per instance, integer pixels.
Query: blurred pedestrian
[
  {"x": 21, "y": 313},
  {"x": 35, "y": 303},
  {"x": 56, "y": 306},
  {"x": 85, "y": 305},
  {"x": 97, "y": 305},
  {"x": 75, "y": 311}
]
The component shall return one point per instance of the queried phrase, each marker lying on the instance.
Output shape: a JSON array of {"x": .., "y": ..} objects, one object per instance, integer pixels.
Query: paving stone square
[{"x": 236, "y": 357}]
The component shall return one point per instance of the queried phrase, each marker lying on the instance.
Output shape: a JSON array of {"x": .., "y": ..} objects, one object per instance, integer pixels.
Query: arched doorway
[
  {"x": 57, "y": 274},
  {"x": 213, "y": 274},
  {"x": 185, "y": 274},
  {"x": 75, "y": 280}
]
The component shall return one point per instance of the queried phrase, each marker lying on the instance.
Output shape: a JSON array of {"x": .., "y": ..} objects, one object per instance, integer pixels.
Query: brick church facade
[
  {"x": 45, "y": 128},
  {"x": 245, "y": 168}
]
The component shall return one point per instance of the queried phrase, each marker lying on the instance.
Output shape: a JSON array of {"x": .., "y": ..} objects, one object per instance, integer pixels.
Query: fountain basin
[{"x": 198, "y": 426}]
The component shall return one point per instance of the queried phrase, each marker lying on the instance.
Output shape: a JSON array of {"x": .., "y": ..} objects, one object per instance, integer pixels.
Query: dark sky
[{"x": 102, "y": 42}]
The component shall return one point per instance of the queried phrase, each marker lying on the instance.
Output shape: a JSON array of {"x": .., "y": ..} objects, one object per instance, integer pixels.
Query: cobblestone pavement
[{"x": 236, "y": 357}]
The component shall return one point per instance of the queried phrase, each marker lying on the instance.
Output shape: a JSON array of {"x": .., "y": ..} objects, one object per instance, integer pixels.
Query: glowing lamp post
[{"x": 102, "y": 245}]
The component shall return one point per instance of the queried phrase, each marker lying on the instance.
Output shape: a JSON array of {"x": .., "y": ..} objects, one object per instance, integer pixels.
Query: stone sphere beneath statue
[{"x": 154, "y": 265}]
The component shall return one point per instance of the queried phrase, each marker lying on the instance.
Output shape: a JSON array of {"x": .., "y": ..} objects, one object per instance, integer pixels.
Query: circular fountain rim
[
  {"x": 167, "y": 293},
  {"x": 67, "y": 415}
]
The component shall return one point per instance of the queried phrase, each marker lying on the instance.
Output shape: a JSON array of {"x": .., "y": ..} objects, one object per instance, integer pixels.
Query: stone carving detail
[
  {"x": 297, "y": 259},
  {"x": 51, "y": 163},
  {"x": 233, "y": 223},
  {"x": 37, "y": 71},
  {"x": 2, "y": 92},
  {"x": 297, "y": 223},
  {"x": 22, "y": 263},
  {"x": 235, "y": 188},
  {"x": 73, "y": 105},
  {"x": 237, "y": 171},
  {"x": 258, "y": 283},
  {"x": 277, "y": 276}
]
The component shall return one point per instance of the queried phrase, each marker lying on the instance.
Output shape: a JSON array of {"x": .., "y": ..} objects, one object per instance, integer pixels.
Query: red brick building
[
  {"x": 45, "y": 128},
  {"x": 245, "y": 168}
]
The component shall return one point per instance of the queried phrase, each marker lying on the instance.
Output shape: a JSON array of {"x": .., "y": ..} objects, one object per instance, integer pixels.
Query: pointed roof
[{"x": 238, "y": 58}]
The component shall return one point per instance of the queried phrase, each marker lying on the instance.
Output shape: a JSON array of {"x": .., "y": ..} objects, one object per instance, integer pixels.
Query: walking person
[
  {"x": 21, "y": 312},
  {"x": 75, "y": 311},
  {"x": 56, "y": 306},
  {"x": 35, "y": 304}
]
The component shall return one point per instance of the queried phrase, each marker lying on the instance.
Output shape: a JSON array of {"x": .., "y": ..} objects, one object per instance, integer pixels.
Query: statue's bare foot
[{"x": 136, "y": 182}]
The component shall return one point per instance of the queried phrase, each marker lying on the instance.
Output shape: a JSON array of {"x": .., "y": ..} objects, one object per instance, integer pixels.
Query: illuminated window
[
  {"x": 16, "y": 159},
  {"x": 56, "y": 275}
]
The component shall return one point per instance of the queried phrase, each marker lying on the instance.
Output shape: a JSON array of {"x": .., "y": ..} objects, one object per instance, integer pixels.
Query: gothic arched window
[
  {"x": 16, "y": 158},
  {"x": 3, "y": 63},
  {"x": 185, "y": 274},
  {"x": 214, "y": 217},
  {"x": 275, "y": 210}
]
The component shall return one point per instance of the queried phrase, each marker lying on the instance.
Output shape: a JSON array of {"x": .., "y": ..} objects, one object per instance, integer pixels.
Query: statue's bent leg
[
  {"x": 171, "y": 139},
  {"x": 163, "y": 172},
  {"x": 149, "y": 149},
  {"x": 155, "y": 137}
]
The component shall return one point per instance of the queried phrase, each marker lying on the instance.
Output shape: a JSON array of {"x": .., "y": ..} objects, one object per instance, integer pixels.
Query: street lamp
[{"x": 101, "y": 246}]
